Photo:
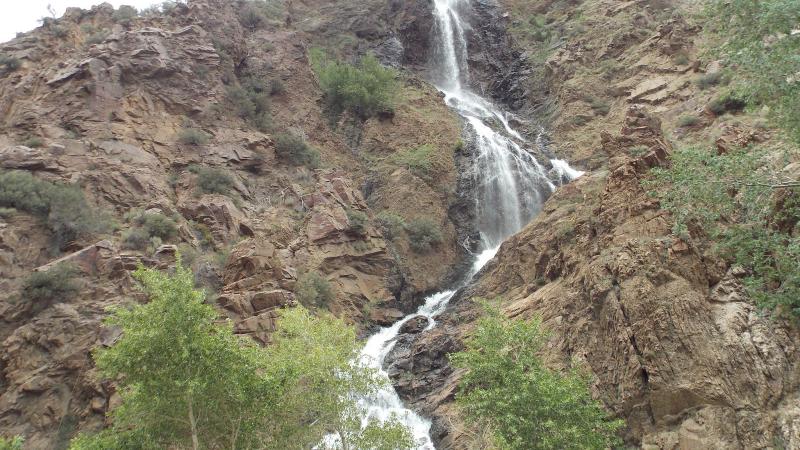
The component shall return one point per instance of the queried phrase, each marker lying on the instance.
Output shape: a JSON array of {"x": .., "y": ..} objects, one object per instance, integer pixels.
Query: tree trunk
[{"x": 193, "y": 423}]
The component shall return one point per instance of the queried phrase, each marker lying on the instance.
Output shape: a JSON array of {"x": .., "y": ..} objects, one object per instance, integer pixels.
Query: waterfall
[{"x": 510, "y": 187}]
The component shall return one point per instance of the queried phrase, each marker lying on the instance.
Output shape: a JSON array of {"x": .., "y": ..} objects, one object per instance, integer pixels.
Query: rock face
[
  {"x": 675, "y": 346},
  {"x": 107, "y": 103}
]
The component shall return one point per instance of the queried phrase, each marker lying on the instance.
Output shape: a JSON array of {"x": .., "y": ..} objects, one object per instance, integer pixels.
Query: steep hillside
[
  {"x": 663, "y": 325},
  {"x": 141, "y": 113}
]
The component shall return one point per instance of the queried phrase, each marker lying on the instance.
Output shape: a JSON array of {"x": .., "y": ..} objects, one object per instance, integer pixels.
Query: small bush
[
  {"x": 276, "y": 87},
  {"x": 296, "y": 150},
  {"x": 391, "y": 224},
  {"x": 600, "y": 106},
  {"x": 357, "y": 221},
  {"x": 212, "y": 180},
  {"x": 688, "y": 120},
  {"x": 193, "y": 136},
  {"x": 125, "y": 14},
  {"x": 681, "y": 59},
  {"x": 419, "y": 160},
  {"x": 252, "y": 104},
  {"x": 6, "y": 213},
  {"x": 62, "y": 207},
  {"x": 9, "y": 63},
  {"x": 33, "y": 142},
  {"x": 135, "y": 239},
  {"x": 251, "y": 17},
  {"x": 14, "y": 443},
  {"x": 726, "y": 103},
  {"x": 423, "y": 235},
  {"x": 366, "y": 89},
  {"x": 98, "y": 37},
  {"x": 313, "y": 290},
  {"x": 57, "y": 284},
  {"x": 157, "y": 224},
  {"x": 148, "y": 226},
  {"x": 708, "y": 80}
]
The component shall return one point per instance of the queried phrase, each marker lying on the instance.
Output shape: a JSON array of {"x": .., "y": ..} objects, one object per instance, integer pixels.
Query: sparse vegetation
[
  {"x": 357, "y": 220},
  {"x": 391, "y": 224},
  {"x": 524, "y": 405},
  {"x": 739, "y": 202},
  {"x": 296, "y": 150},
  {"x": 97, "y": 37},
  {"x": 47, "y": 287},
  {"x": 276, "y": 87},
  {"x": 313, "y": 290},
  {"x": 600, "y": 106},
  {"x": 124, "y": 14},
  {"x": 211, "y": 180},
  {"x": 193, "y": 136},
  {"x": 688, "y": 120},
  {"x": 9, "y": 64},
  {"x": 251, "y": 17},
  {"x": 62, "y": 207},
  {"x": 708, "y": 80},
  {"x": 366, "y": 89},
  {"x": 727, "y": 102},
  {"x": 757, "y": 40},
  {"x": 419, "y": 160},
  {"x": 14, "y": 443},
  {"x": 423, "y": 235},
  {"x": 33, "y": 142},
  {"x": 150, "y": 230},
  {"x": 251, "y": 101}
]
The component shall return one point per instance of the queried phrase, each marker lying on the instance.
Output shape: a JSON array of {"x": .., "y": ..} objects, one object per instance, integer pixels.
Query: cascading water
[{"x": 510, "y": 183}]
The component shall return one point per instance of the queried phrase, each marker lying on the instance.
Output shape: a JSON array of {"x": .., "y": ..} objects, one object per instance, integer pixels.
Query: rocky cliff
[
  {"x": 103, "y": 102},
  {"x": 672, "y": 341}
]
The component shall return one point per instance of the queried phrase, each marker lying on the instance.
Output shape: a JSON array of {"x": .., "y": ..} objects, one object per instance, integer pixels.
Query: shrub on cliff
[
  {"x": 423, "y": 235},
  {"x": 365, "y": 89},
  {"x": 124, "y": 14},
  {"x": 313, "y": 290},
  {"x": 524, "y": 405},
  {"x": 193, "y": 136},
  {"x": 391, "y": 224},
  {"x": 9, "y": 64},
  {"x": 186, "y": 381},
  {"x": 357, "y": 221},
  {"x": 419, "y": 160},
  {"x": 56, "y": 284},
  {"x": 211, "y": 180},
  {"x": 149, "y": 229},
  {"x": 251, "y": 100},
  {"x": 296, "y": 150},
  {"x": 14, "y": 443},
  {"x": 749, "y": 211},
  {"x": 759, "y": 41},
  {"x": 62, "y": 207}
]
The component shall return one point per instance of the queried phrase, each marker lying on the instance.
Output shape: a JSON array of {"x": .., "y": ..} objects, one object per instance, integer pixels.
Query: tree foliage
[
  {"x": 365, "y": 89},
  {"x": 186, "y": 381},
  {"x": 62, "y": 207},
  {"x": 524, "y": 404},
  {"x": 733, "y": 198},
  {"x": 760, "y": 40}
]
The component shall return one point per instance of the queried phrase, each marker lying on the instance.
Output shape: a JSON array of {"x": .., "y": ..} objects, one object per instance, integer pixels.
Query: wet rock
[{"x": 414, "y": 325}]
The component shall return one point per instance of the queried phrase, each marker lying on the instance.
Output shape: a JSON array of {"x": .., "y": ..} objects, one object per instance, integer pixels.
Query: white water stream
[{"x": 510, "y": 187}]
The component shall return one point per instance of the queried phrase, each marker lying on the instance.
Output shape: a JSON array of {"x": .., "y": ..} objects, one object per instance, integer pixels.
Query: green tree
[
  {"x": 366, "y": 89},
  {"x": 187, "y": 381},
  {"x": 750, "y": 212},
  {"x": 760, "y": 42},
  {"x": 14, "y": 443},
  {"x": 525, "y": 405}
]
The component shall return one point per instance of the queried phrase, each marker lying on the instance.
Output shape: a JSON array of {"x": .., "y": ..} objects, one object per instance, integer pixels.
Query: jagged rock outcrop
[{"x": 674, "y": 344}]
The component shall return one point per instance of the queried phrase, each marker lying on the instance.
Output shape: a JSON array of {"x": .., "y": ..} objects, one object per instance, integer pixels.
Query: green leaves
[
  {"x": 183, "y": 376},
  {"x": 759, "y": 39},
  {"x": 731, "y": 198},
  {"x": 523, "y": 403},
  {"x": 365, "y": 89}
]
